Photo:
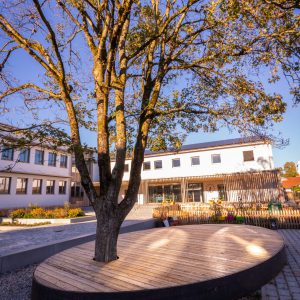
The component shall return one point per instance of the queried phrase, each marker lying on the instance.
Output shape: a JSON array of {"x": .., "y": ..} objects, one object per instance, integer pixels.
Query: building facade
[
  {"x": 230, "y": 170},
  {"x": 34, "y": 175}
]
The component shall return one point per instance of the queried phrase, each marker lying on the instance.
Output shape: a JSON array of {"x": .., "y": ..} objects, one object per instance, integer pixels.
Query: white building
[
  {"x": 34, "y": 175},
  {"x": 230, "y": 170},
  {"x": 298, "y": 167}
]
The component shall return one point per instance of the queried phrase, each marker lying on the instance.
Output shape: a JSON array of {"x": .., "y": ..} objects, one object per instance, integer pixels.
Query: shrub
[
  {"x": 38, "y": 213},
  {"x": 41, "y": 213},
  {"x": 18, "y": 213},
  {"x": 75, "y": 212},
  {"x": 49, "y": 214},
  {"x": 59, "y": 213}
]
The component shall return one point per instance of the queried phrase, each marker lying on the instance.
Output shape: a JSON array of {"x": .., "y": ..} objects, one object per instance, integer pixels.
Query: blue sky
[
  {"x": 289, "y": 128},
  {"x": 25, "y": 70}
]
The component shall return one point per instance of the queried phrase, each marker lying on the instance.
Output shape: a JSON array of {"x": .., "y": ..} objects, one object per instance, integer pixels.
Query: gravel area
[{"x": 16, "y": 285}]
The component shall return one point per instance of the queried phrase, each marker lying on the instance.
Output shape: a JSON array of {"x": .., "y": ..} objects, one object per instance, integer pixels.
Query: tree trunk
[{"x": 107, "y": 232}]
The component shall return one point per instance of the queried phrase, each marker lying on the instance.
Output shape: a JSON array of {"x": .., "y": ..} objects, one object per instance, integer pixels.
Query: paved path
[
  {"x": 286, "y": 286},
  {"x": 16, "y": 239}
]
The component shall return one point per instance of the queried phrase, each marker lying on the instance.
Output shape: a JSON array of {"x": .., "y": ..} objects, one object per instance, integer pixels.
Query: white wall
[
  {"x": 140, "y": 196},
  {"x": 13, "y": 200},
  {"x": 33, "y": 171},
  {"x": 231, "y": 162},
  {"x": 31, "y": 167}
]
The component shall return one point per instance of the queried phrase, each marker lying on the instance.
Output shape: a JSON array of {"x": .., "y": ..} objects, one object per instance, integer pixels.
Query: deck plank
[{"x": 162, "y": 258}]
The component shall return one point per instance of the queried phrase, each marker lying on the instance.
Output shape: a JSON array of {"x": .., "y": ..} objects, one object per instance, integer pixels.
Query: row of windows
[
  {"x": 37, "y": 184},
  {"x": 24, "y": 156},
  {"x": 195, "y": 160}
]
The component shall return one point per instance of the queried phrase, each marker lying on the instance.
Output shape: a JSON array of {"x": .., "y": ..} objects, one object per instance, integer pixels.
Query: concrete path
[
  {"x": 16, "y": 239},
  {"x": 286, "y": 286}
]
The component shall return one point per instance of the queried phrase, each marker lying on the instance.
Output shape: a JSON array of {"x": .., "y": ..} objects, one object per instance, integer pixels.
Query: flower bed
[
  {"x": 35, "y": 215},
  {"x": 46, "y": 213}
]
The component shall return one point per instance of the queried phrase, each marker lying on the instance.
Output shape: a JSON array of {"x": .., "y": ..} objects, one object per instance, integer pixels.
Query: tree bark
[{"x": 108, "y": 227}]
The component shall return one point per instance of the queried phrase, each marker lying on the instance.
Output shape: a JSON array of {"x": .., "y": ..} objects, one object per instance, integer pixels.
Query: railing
[{"x": 245, "y": 213}]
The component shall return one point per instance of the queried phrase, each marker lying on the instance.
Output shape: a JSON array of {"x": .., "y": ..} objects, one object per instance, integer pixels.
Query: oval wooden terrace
[{"x": 212, "y": 261}]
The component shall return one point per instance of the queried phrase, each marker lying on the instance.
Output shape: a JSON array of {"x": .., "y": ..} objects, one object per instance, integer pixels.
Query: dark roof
[{"x": 213, "y": 144}]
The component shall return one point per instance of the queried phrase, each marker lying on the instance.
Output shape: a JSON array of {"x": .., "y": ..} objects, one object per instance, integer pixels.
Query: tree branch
[{"x": 30, "y": 86}]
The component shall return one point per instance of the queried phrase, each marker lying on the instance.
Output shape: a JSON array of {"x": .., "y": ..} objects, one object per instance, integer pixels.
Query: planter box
[{"x": 51, "y": 221}]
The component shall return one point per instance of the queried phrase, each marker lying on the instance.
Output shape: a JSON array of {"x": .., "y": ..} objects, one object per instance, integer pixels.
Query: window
[
  {"x": 39, "y": 157},
  {"x": 195, "y": 192},
  {"x": 222, "y": 192},
  {"x": 147, "y": 165},
  {"x": 52, "y": 159},
  {"x": 248, "y": 155},
  {"x": 62, "y": 187},
  {"x": 21, "y": 186},
  {"x": 50, "y": 186},
  {"x": 175, "y": 162},
  {"x": 7, "y": 153},
  {"x": 165, "y": 193},
  {"x": 76, "y": 190},
  {"x": 24, "y": 155},
  {"x": 37, "y": 186},
  {"x": 5, "y": 185},
  {"x": 158, "y": 164},
  {"x": 215, "y": 158},
  {"x": 63, "y": 161},
  {"x": 126, "y": 168},
  {"x": 195, "y": 160}
]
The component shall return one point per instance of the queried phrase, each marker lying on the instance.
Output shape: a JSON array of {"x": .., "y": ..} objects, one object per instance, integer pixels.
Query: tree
[
  {"x": 290, "y": 169},
  {"x": 134, "y": 52}
]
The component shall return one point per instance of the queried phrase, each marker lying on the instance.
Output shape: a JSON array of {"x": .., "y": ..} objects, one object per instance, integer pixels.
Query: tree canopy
[
  {"x": 290, "y": 169},
  {"x": 143, "y": 74}
]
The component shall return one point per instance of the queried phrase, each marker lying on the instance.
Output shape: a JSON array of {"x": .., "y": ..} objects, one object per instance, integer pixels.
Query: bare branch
[
  {"x": 30, "y": 86},
  {"x": 31, "y": 47},
  {"x": 9, "y": 52}
]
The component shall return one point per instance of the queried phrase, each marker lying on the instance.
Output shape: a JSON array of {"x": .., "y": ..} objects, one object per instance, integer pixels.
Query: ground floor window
[
  {"x": 160, "y": 193},
  {"x": 5, "y": 185},
  {"x": 62, "y": 187},
  {"x": 50, "y": 186},
  {"x": 195, "y": 192},
  {"x": 37, "y": 186},
  {"x": 222, "y": 192},
  {"x": 21, "y": 185}
]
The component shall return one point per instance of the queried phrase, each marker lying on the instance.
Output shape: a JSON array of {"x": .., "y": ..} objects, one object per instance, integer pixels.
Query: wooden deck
[{"x": 186, "y": 262}]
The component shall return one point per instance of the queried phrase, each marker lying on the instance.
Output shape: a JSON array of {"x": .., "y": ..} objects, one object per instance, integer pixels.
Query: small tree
[
  {"x": 290, "y": 169},
  {"x": 112, "y": 67}
]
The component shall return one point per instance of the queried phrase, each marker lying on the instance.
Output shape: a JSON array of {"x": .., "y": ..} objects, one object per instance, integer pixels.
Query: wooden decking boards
[{"x": 162, "y": 259}]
